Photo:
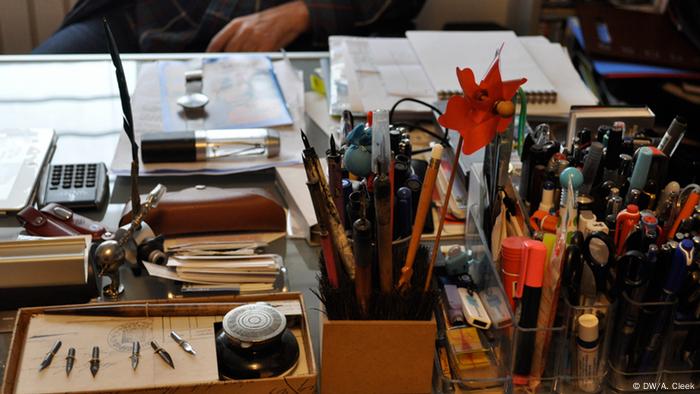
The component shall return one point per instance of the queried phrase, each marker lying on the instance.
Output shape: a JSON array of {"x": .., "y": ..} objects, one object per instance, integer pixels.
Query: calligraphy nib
[
  {"x": 49, "y": 356},
  {"x": 305, "y": 140},
  {"x": 70, "y": 360},
  {"x": 135, "y": 352},
  {"x": 95, "y": 361},
  {"x": 334, "y": 148},
  {"x": 163, "y": 354}
]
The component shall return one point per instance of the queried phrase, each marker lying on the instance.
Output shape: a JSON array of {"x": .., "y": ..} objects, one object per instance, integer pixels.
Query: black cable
[
  {"x": 421, "y": 128},
  {"x": 444, "y": 140}
]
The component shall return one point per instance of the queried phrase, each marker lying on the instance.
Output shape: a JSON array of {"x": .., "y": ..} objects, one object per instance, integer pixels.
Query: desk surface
[{"x": 77, "y": 96}]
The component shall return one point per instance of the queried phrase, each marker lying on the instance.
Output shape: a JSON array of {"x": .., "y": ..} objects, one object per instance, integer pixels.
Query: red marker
[
  {"x": 511, "y": 251},
  {"x": 529, "y": 289}
]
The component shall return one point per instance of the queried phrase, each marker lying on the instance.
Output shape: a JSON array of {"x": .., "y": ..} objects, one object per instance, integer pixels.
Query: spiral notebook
[{"x": 440, "y": 51}]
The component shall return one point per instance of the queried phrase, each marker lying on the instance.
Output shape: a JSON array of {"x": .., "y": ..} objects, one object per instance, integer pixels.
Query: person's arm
[
  {"x": 264, "y": 31},
  {"x": 276, "y": 27}
]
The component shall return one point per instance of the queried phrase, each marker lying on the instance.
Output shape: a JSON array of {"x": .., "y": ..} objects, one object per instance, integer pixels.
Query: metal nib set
[{"x": 135, "y": 354}]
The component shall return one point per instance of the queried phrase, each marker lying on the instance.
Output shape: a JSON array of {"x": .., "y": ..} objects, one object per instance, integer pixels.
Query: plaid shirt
[{"x": 189, "y": 25}]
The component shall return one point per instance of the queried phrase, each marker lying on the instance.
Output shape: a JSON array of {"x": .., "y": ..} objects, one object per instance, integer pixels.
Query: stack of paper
[
  {"x": 221, "y": 265},
  {"x": 374, "y": 73}
]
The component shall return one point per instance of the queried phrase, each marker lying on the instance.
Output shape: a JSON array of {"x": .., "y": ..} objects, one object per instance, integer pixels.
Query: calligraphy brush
[{"x": 128, "y": 121}]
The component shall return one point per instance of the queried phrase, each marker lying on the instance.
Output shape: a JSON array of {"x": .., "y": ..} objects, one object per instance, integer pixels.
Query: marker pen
[
  {"x": 529, "y": 289},
  {"x": 511, "y": 251}
]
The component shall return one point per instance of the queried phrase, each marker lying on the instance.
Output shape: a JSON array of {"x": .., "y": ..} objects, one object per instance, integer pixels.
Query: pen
[
  {"x": 404, "y": 213},
  {"x": 336, "y": 230},
  {"x": 686, "y": 212},
  {"x": 324, "y": 238},
  {"x": 384, "y": 230},
  {"x": 414, "y": 184},
  {"x": 362, "y": 247},
  {"x": 426, "y": 197},
  {"x": 529, "y": 290},
  {"x": 641, "y": 169},
  {"x": 636, "y": 268},
  {"x": 613, "y": 150},
  {"x": 590, "y": 166},
  {"x": 682, "y": 259},
  {"x": 511, "y": 251},
  {"x": 624, "y": 224},
  {"x": 673, "y": 136},
  {"x": 335, "y": 179}
]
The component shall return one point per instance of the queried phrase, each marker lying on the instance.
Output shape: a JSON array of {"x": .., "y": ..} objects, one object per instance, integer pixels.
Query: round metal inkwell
[
  {"x": 254, "y": 342},
  {"x": 254, "y": 324}
]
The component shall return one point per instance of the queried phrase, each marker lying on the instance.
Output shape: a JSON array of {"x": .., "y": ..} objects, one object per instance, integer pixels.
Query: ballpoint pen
[
  {"x": 426, "y": 196},
  {"x": 404, "y": 213},
  {"x": 624, "y": 224}
]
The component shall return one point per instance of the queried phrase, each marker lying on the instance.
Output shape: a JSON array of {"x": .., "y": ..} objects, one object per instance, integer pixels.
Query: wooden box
[
  {"x": 375, "y": 356},
  {"x": 301, "y": 380}
]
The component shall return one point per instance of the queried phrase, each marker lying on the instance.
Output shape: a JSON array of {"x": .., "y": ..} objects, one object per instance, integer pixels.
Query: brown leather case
[
  {"x": 38, "y": 223},
  {"x": 213, "y": 210}
]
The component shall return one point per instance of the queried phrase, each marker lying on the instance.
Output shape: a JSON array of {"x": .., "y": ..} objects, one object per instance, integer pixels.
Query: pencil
[{"x": 426, "y": 197}]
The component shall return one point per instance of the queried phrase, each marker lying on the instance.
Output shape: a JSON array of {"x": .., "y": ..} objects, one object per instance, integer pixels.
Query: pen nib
[
  {"x": 70, "y": 360},
  {"x": 135, "y": 352},
  {"x": 163, "y": 354},
  {"x": 95, "y": 361},
  {"x": 49, "y": 356},
  {"x": 183, "y": 343},
  {"x": 305, "y": 140},
  {"x": 334, "y": 148}
]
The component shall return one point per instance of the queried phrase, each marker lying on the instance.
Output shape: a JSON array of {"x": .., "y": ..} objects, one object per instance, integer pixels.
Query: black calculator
[{"x": 77, "y": 186}]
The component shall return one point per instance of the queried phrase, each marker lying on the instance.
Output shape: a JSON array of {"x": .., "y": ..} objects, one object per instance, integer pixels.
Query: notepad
[{"x": 440, "y": 52}]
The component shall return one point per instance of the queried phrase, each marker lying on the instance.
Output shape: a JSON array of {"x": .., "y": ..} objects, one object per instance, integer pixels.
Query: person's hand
[{"x": 265, "y": 31}]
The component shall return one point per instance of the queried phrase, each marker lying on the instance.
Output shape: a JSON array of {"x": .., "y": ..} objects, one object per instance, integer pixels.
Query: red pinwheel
[{"x": 484, "y": 109}]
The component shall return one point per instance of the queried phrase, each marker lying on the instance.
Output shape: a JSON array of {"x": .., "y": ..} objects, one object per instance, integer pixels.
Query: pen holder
[
  {"x": 585, "y": 364},
  {"x": 682, "y": 361},
  {"x": 486, "y": 370},
  {"x": 524, "y": 365},
  {"x": 638, "y": 343}
]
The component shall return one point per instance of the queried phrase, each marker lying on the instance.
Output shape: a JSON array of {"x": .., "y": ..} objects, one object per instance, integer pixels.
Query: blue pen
[
  {"x": 403, "y": 218},
  {"x": 682, "y": 259}
]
